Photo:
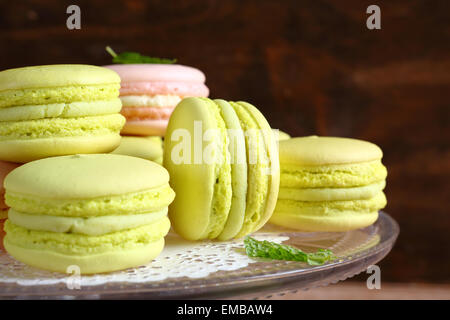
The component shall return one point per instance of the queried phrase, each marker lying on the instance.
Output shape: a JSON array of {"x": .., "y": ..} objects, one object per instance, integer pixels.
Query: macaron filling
[
  {"x": 146, "y": 113},
  {"x": 154, "y": 101},
  {"x": 61, "y": 110},
  {"x": 330, "y": 194}
]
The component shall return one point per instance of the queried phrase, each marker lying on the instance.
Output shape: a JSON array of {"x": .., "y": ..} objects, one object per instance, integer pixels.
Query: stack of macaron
[
  {"x": 150, "y": 92},
  {"x": 329, "y": 184},
  {"x": 223, "y": 165},
  {"x": 58, "y": 110},
  {"x": 98, "y": 212}
]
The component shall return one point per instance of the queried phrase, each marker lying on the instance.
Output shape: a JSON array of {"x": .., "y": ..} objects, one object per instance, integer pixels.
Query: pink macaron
[{"x": 150, "y": 92}]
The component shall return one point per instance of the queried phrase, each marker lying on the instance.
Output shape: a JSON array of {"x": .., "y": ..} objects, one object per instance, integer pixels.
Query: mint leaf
[
  {"x": 275, "y": 251},
  {"x": 134, "y": 57}
]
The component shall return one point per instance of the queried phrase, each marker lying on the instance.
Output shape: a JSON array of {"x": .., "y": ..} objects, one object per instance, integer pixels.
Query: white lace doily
[{"x": 180, "y": 258}]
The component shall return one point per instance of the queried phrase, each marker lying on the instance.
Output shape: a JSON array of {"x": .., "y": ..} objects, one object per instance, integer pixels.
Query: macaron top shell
[
  {"x": 157, "y": 72},
  {"x": 56, "y": 76},
  {"x": 316, "y": 151},
  {"x": 78, "y": 176}
]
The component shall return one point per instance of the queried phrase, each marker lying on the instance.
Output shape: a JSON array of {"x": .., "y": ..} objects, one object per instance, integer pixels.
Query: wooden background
[{"x": 311, "y": 66}]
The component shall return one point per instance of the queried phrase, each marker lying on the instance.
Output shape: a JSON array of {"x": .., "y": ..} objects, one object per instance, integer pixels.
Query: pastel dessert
[
  {"x": 329, "y": 184},
  {"x": 5, "y": 168},
  {"x": 223, "y": 165},
  {"x": 101, "y": 212},
  {"x": 150, "y": 92},
  {"x": 149, "y": 148},
  {"x": 58, "y": 110}
]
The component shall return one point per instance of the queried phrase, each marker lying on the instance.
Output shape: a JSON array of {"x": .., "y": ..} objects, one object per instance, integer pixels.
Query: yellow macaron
[
  {"x": 329, "y": 184},
  {"x": 100, "y": 212},
  {"x": 58, "y": 110},
  {"x": 224, "y": 168}
]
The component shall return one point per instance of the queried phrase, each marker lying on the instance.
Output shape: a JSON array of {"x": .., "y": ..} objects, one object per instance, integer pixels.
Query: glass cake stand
[{"x": 356, "y": 251}]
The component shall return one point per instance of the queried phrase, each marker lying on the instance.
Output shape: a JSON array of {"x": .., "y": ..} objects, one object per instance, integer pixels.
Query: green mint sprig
[
  {"x": 275, "y": 251},
  {"x": 134, "y": 57}
]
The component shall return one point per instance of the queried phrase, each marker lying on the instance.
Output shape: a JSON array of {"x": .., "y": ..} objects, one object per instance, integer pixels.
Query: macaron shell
[
  {"x": 33, "y": 149},
  {"x": 157, "y": 72},
  {"x": 315, "y": 151},
  {"x": 118, "y": 174},
  {"x": 56, "y": 76},
  {"x": 191, "y": 178},
  {"x": 340, "y": 222},
  {"x": 95, "y": 263},
  {"x": 238, "y": 172},
  {"x": 273, "y": 167}
]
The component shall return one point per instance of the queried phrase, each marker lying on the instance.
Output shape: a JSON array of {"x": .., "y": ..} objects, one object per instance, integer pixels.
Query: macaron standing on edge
[
  {"x": 227, "y": 187},
  {"x": 100, "y": 212},
  {"x": 57, "y": 110},
  {"x": 329, "y": 184},
  {"x": 150, "y": 92}
]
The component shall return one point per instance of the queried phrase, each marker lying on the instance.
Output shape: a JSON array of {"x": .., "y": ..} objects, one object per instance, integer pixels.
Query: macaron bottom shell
[
  {"x": 338, "y": 222},
  {"x": 92, "y": 254},
  {"x": 97, "y": 263},
  {"x": 33, "y": 149}
]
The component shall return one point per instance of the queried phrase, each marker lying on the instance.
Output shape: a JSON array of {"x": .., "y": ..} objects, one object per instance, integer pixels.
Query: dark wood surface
[{"x": 312, "y": 67}]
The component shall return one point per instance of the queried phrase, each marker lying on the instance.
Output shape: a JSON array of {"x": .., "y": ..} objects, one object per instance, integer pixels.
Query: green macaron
[{"x": 223, "y": 162}]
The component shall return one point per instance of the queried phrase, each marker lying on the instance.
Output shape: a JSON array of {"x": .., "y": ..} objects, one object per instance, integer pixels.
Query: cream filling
[
  {"x": 156, "y": 101},
  {"x": 92, "y": 226},
  {"x": 60, "y": 110}
]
